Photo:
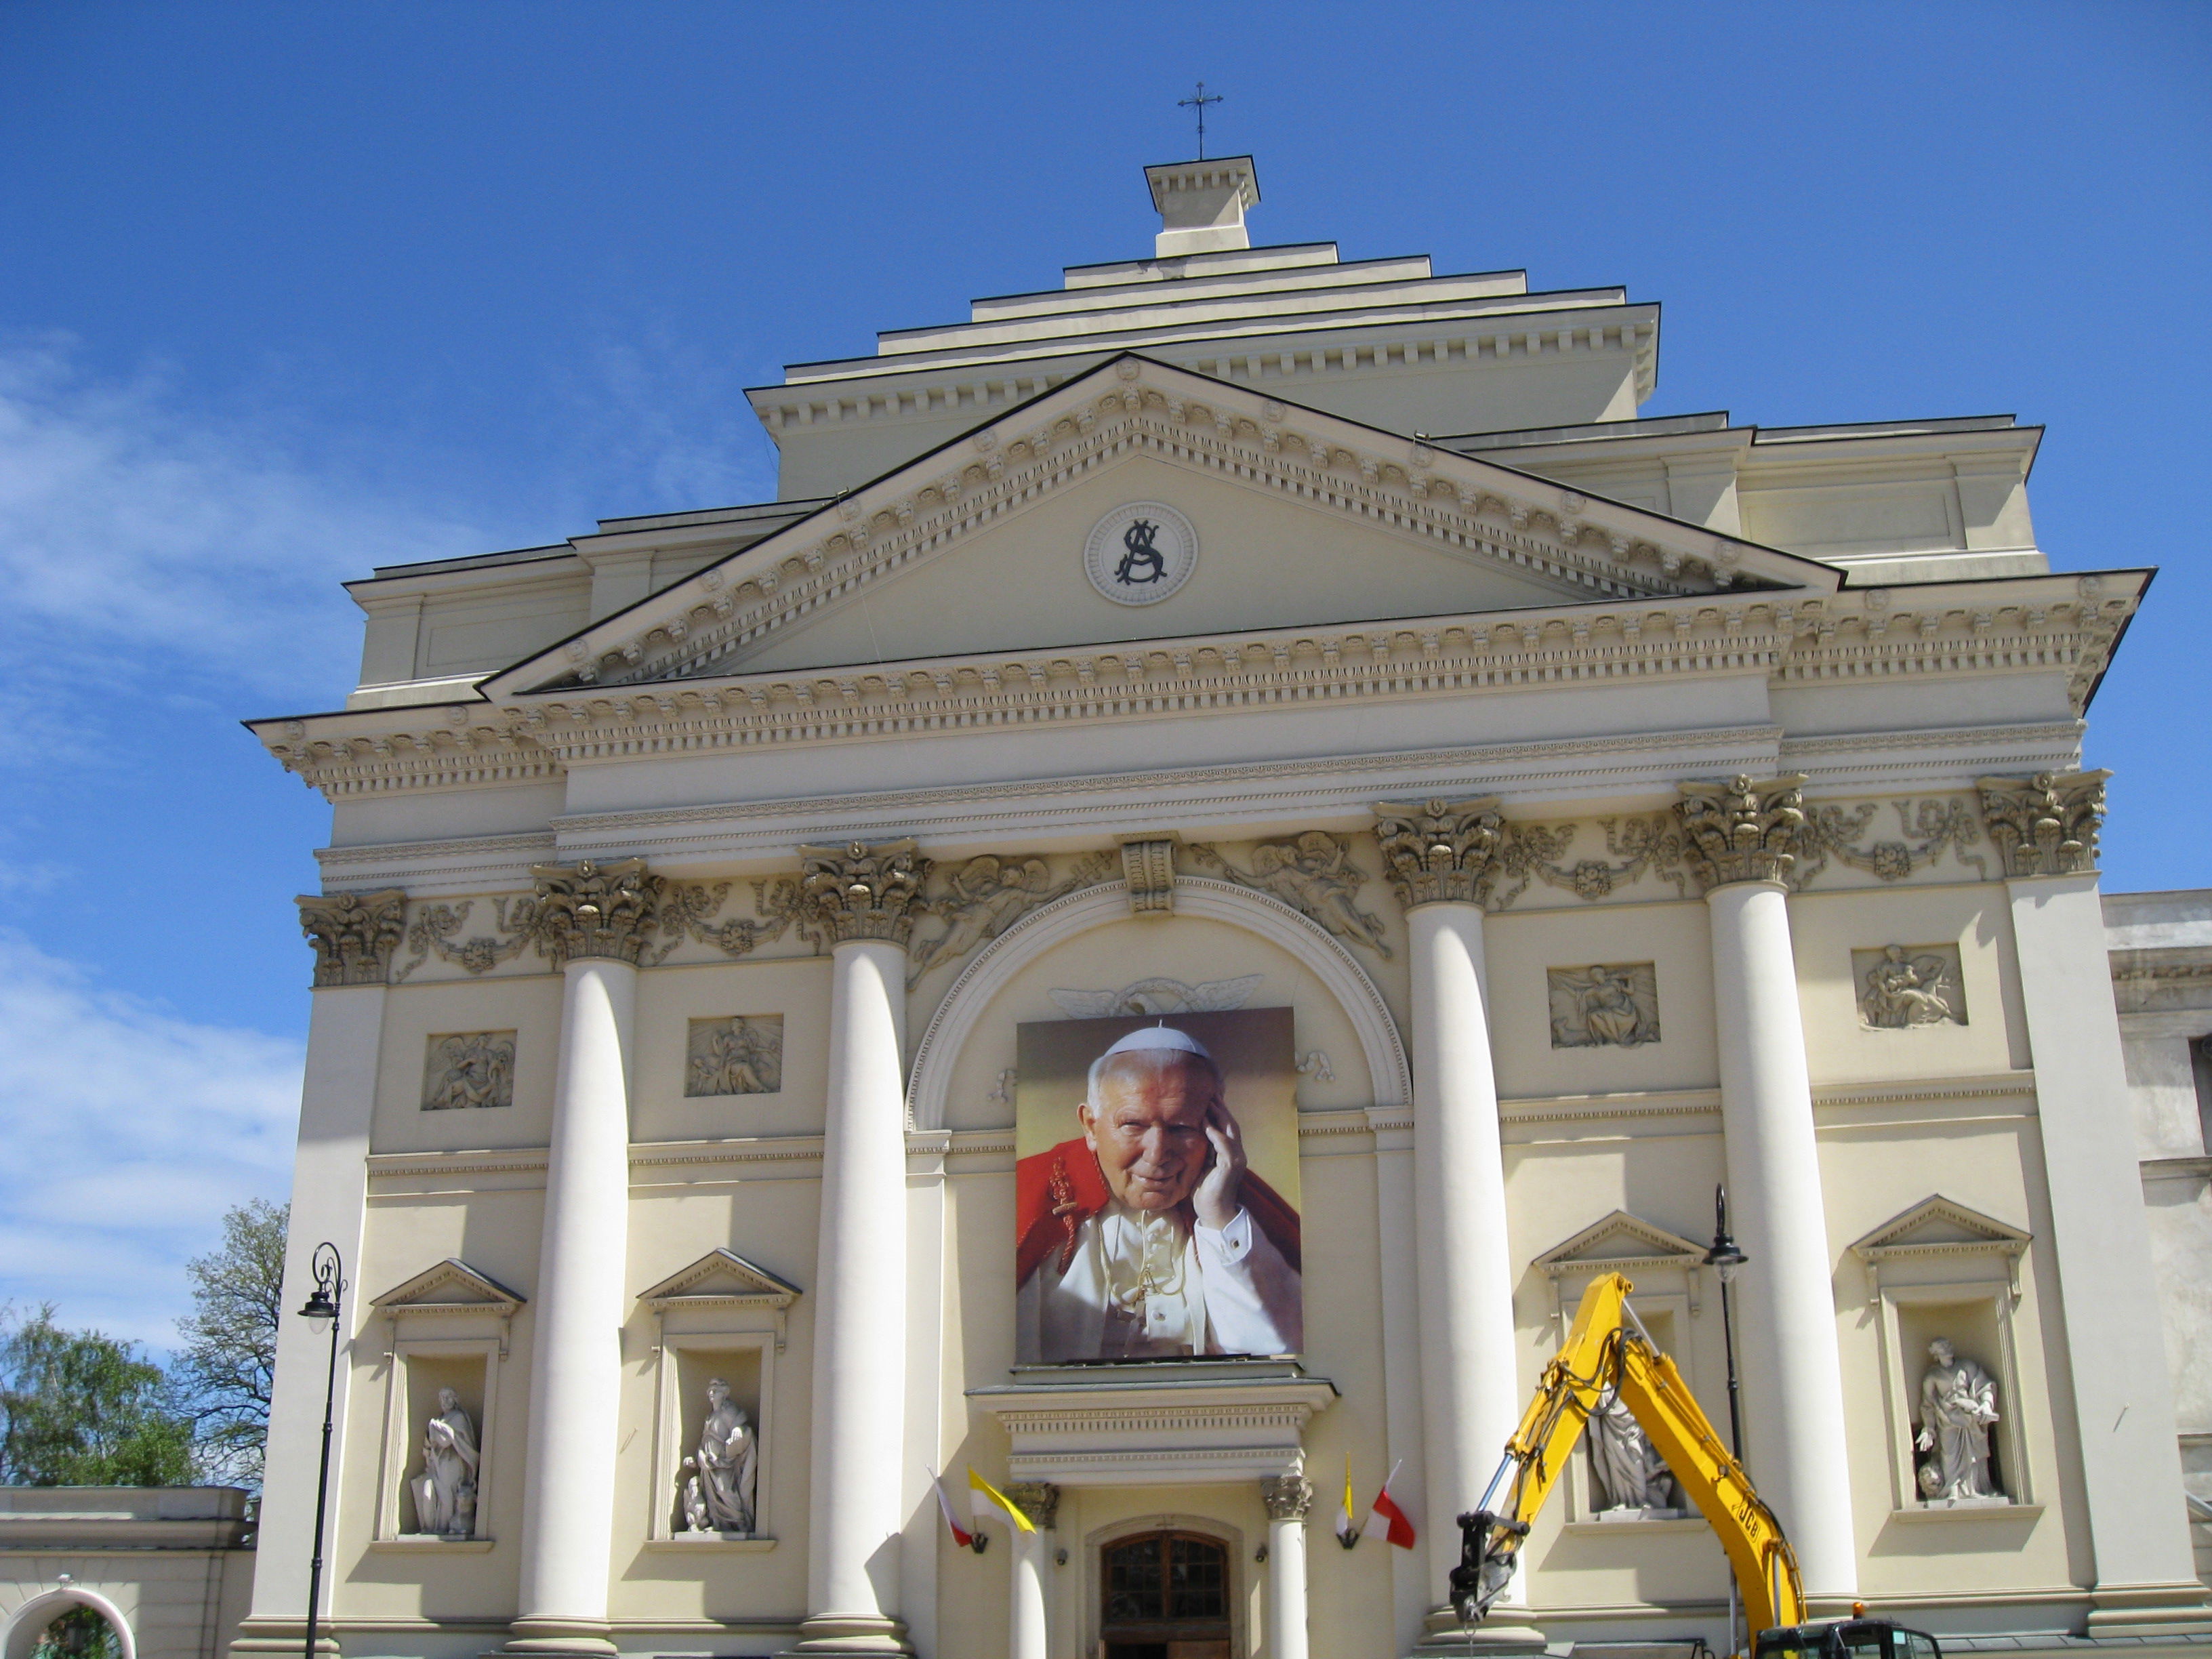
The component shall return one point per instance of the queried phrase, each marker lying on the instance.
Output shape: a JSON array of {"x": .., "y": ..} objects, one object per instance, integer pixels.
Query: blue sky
[{"x": 287, "y": 292}]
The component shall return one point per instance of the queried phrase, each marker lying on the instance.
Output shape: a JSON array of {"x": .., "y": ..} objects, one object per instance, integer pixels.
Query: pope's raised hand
[{"x": 1220, "y": 1192}]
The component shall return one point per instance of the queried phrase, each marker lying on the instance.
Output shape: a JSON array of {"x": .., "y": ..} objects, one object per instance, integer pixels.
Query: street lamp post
[
  {"x": 321, "y": 1308},
  {"x": 1727, "y": 1261}
]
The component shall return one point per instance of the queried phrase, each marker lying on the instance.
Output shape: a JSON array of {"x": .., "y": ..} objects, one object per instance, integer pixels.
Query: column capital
[
  {"x": 1288, "y": 1496},
  {"x": 1441, "y": 852},
  {"x": 860, "y": 892},
  {"x": 2047, "y": 825},
  {"x": 594, "y": 909},
  {"x": 354, "y": 933},
  {"x": 1038, "y": 1499},
  {"x": 1741, "y": 830}
]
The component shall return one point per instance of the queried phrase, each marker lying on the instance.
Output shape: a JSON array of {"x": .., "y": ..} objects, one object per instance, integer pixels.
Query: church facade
[{"x": 1238, "y": 831}]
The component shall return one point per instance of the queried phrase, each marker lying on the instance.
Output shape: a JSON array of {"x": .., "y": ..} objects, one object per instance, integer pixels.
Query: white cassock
[{"x": 1145, "y": 1285}]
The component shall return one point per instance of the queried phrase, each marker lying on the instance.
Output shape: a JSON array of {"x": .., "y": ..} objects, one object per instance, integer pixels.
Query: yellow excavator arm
[{"x": 1607, "y": 1349}]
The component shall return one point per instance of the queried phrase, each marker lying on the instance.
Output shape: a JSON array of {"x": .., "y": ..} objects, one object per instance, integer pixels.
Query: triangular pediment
[
  {"x": 451, "y": 1286},
  {"x": 1937, "y": 1226},
  {"x": 1300, "y": 518},
  {"x": 1619, "y": 1242},
  {"x": 723, "y": 1279}
]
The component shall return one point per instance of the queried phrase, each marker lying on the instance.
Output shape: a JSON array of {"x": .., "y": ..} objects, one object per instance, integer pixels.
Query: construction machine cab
[{"x": 1846, "y": 1638}]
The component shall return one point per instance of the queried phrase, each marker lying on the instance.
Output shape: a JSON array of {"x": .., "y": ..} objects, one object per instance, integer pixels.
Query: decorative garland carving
[
  {"x": 354, "y": 934},
  {"x": 2047, "y": 825},
  {"x": 860, "y": 892},
  {"x": 431, "y": 933},
  {"x": 1741, "y": 830},
  {"x": 688, "y": 911},
  {"x": 1931, "y": 826},
  {"x": 1314, "y": 874}
]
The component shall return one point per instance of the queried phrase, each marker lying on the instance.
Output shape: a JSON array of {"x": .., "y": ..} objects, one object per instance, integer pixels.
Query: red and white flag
[
  {"x": 961, "y": 1536},
  {"x": 1386, "y": 1519}
]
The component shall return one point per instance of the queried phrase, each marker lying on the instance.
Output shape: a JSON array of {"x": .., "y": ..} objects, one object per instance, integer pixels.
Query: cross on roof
[{"x": 1199, "y": 101}]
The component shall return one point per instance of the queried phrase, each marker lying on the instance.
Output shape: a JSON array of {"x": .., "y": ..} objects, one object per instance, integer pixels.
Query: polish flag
[
  {"x": 961, "y": 1536},
  {"x": 1386, "y": 1519}
]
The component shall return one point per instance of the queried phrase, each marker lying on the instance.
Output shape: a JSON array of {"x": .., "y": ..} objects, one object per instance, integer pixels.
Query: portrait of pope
[{"x": 1146, "y": 1234}]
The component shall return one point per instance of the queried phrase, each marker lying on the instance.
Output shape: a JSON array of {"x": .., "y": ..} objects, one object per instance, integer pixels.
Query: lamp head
[
  {"x": 1724, "y": 1259},
  {"x": 319, "y": 1309}
]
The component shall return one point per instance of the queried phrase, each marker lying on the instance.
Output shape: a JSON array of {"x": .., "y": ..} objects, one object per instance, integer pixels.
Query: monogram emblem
[{"x": 1140, "y": 553}]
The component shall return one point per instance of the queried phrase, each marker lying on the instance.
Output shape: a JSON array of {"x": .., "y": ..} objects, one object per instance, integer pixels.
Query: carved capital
[
  {"x": 858, "y": 891},
  {"x": 1741, "y": 830},
  {"x": 1440, "y": 851},
  {"x": 354, "y": 933},
  {"x": 594, "y": 909},
  {"x": 2045, "y": 825},
  {"x": 1038, "y": 1499},
  {"x": 1288, "y": 1496}
]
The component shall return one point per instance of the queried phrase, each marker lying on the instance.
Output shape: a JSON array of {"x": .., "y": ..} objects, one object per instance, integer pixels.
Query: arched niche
[
  {"x": 29, "y": 1622},
  {"x": 1011, "y": 962}
]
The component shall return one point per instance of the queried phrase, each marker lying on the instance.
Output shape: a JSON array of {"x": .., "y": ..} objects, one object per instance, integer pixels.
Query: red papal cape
[{"x": 1056, "y": 1191}]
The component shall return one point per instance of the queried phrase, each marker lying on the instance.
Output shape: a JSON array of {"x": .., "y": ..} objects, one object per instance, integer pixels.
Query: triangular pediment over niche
[
  {"x": 1298, "y": 517},
  {"x": 451, "y": 1286},
  {"x": 724, "y": 1278},
  {"x": 1938, "y": 1226},
  {"x": 1619, "y": 1242}
]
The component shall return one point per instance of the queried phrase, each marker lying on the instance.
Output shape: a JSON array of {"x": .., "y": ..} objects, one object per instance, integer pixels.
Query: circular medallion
[{"x": 1140, "y": 553}]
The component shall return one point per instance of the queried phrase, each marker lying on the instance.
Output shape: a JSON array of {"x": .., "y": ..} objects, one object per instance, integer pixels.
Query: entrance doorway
[{"x": 1165, "y": 1596}]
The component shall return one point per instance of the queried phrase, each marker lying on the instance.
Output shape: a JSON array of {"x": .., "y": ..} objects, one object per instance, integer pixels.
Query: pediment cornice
[{"x": 1548, "y": 535}]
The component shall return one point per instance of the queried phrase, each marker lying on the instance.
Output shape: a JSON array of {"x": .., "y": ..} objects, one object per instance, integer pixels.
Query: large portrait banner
[{"x": 1156, "y": 1188}]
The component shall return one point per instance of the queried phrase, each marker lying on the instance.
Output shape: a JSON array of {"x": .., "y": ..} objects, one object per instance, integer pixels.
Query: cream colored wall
[
  {"x": 530, "y": 1007},
  {"x": 796, "y": 988},
  {"x": 1827, "y": 927},
  {"x": 1263, "y": 562}
]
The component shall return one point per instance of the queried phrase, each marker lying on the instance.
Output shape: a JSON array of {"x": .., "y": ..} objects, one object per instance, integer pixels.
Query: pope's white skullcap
[{"x": 1161, "y": 1036}]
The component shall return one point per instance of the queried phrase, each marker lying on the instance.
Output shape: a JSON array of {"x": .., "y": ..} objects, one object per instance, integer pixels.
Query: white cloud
[
  {"x": 124, "y": 1133},
  {"x": 141, "y": 537}
]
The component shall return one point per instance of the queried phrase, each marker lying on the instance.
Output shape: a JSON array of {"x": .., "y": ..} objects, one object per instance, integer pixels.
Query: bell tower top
[{"x": 1201, "y": 204}]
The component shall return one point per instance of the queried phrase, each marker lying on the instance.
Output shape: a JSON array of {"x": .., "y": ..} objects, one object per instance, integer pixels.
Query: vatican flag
[
  {"x": 982, "y": 1495},
  {"x": 1348, "y": 1529}
]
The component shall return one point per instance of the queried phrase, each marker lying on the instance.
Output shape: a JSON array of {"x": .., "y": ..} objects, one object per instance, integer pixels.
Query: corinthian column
[
  {"x": 860, "y": 897},
  {"x": 1288, "y": 1496},
  {"x": 592, "y": 920},
  {"x": 1027, "y": 1621},
  {"x": 2046, "y": 827},
  {"x": 1439, "y": 854},
  {"x": 1742, "y": 842}
]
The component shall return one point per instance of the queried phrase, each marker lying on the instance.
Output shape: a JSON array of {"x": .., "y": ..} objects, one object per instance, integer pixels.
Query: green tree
[
  {"x": 223, "y": 1371},
  {"x": 80, "y": 1633},
  {"x": 82, "y": 1409}
]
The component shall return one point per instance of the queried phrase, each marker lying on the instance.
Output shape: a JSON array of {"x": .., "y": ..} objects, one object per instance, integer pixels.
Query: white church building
[{"x": 1525, "y": 818}]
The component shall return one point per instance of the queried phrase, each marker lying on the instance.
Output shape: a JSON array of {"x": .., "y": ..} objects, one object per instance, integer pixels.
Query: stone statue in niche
[
  {"x": 740, "y": 1055},
  {"x": 445, "y": 1493},
  {"x": 468, "y": 1070},
  {"x": 1632, "y": 1476},
  {"x": 1604, "y": 1006},
  {"x": 721, "y": 1477},
  {"x": 1958, "y": 1407},
  {"x": 1901, "y": 987}
]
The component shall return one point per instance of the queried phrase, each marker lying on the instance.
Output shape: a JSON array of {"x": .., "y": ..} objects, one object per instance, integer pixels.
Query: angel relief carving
[
  {"x": 988, "y": 894},
  {"x": 1315, "y": 876}
]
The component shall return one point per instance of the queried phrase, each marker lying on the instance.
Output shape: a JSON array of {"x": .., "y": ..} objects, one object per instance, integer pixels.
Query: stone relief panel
[
  {"x": 467, "y": 1070},
  {"x": 1903, "y": 986},
  {"x": 742, "y": 1054},
  {"x": 1158, "y": 995},
  {"x": 1604, "y": 1006}
]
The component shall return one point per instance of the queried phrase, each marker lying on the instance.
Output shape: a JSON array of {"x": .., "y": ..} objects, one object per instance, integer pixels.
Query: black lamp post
[
  {"x": 1727, "y": 1261},
  {"x": 322, "y": 1308}
]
